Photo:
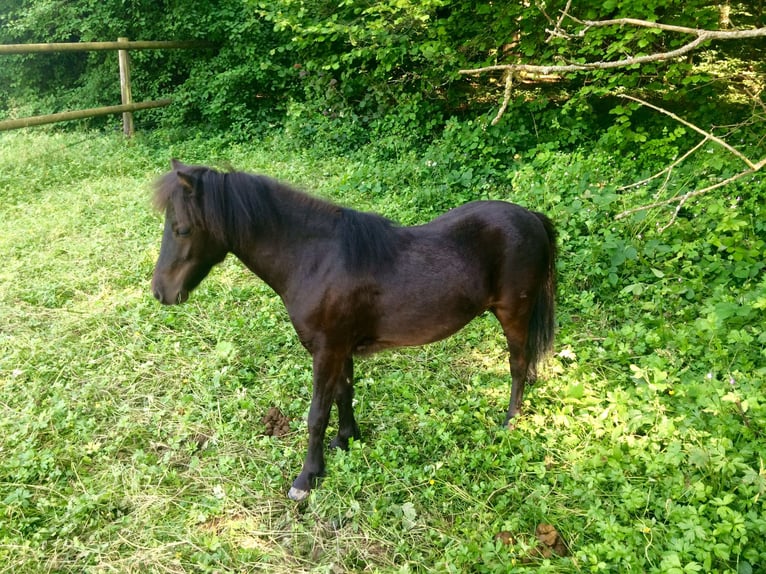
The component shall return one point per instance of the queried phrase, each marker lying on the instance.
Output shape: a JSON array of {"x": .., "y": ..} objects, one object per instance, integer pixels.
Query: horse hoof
[
  {"x": 297, "y": 494},
  {"x": 511, "y": 423},
  {"x": 339, "y": 444}
]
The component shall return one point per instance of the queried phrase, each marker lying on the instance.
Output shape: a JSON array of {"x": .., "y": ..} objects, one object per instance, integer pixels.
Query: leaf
[
  {"x": 224, "y": 349},
  {"x": 635, "y": 288},
  {"x": 638, "y": 372},
  {"x": 575, "y": 391},
  {"x": 409, "y": 515},
  {"x": 698, "y": 457}
]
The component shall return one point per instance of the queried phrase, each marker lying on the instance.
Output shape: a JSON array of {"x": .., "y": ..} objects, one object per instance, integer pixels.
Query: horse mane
[
  {"x": 237, "y": 207},
  {"x": 368, "y": 240}
]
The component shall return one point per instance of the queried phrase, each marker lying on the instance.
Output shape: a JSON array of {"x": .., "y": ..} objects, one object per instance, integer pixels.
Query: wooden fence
[{"x": 122, "y": 45}]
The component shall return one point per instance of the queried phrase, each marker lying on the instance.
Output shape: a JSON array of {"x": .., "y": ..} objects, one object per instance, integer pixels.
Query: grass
[{"x": 131, "y": 436}]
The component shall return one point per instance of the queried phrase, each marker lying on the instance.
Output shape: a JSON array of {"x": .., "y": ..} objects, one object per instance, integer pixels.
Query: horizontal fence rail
[
  {"x": 100, "y": 46},
  {"x": 80, "y": 114}
]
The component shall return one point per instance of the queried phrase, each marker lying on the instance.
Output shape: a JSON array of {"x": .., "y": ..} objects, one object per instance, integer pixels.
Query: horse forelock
[
  {"x": 170, "y": 192},
  {"x": 163, "y": 191}
]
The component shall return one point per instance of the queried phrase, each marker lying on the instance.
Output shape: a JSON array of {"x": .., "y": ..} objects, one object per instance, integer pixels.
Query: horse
[{"x": 355, "y": 283}]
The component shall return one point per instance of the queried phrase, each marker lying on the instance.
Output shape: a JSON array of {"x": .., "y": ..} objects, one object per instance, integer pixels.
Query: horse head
[{"x": 188, "y": 251}]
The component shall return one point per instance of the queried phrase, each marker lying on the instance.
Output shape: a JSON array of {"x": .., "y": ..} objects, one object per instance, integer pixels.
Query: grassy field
[{"x": 131, "y": 435}]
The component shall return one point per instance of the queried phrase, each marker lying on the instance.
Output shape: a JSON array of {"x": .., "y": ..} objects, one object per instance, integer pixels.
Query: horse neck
[{"x": 296, "y": 237}]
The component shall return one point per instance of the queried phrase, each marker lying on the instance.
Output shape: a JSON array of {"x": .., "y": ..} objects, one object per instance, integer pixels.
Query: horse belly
[{"x": 411, "y": 320}]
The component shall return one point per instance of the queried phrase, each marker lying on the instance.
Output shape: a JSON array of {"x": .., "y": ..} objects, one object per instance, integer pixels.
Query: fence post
[{"x": 127, "y": 96}]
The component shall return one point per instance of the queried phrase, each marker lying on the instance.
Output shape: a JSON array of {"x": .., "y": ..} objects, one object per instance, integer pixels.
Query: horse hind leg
[
  {"x": 516, "y": 329},
  {"x": 519, "y": 365},
  {"x": 344, "y": 400}
]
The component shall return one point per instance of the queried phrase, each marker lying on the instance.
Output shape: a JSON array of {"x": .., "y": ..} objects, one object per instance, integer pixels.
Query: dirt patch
[
  {"x": 549, "y": 542},
  {"x": 277, "y": 424},
  {"x": 505, "y": 537}
]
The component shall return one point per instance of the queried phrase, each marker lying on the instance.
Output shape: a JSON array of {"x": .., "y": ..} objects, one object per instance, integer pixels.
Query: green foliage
[
  {"x": 232, "y": 85},
  {"x": 389, "y": 69},
  {"x": 131, "y": 433}
]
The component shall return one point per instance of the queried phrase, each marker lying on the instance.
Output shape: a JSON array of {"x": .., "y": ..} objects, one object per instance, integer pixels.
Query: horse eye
[{"x": 183, "y": 231}]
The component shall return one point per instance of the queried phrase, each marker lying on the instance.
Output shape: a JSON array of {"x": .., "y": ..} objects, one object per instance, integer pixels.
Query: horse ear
[{"x": 188, "y": 181}]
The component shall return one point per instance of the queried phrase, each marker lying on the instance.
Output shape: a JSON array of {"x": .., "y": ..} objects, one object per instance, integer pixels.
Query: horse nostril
[{"x": 158, "y": 296}]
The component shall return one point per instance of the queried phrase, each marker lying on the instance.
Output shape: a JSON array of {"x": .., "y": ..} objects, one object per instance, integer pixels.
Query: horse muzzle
[
  {"x": 181, "y": 297},
  {"x": 165, "y": 297}
]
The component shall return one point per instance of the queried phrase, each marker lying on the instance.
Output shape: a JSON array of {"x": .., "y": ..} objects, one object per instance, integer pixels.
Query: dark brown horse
[{"x": 355, "y": 283}]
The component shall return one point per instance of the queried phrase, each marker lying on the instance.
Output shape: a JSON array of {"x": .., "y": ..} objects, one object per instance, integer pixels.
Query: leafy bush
[
  {"x": 388, "y": 68},
  {"x": 234, "y": 84}
]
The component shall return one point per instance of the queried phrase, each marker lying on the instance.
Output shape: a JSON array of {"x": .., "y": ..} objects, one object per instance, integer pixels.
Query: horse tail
[{"x": 542, "y": 322}]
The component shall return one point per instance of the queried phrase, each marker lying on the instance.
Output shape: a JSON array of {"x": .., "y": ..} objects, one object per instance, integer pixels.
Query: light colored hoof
[{"x": 297, "y": 494}]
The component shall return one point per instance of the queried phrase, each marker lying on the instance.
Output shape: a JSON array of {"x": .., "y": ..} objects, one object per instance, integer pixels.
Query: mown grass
[{"x": 131, "y": 436}]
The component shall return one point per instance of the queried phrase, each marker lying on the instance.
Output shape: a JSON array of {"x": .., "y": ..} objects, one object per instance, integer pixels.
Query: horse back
[{"x": 494, "y": 230}]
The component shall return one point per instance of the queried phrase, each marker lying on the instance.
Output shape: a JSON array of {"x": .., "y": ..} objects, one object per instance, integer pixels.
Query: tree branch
[
  {"x": 709, "y": 136},
  {"x": 635, "y": 22},
  {"x": 682, "y": 199},
  {"x": 667, "y": 170},
  {"x": 506, "y": 97},
  {"x": 702, "y": 37},
  {"x": 557, "y": 32}
]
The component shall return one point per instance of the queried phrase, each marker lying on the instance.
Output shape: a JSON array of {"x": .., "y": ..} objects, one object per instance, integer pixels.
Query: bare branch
[
  {"x": 673, "y": 217},
  {"x": 695, "y": 193},
  {"x": 564, "y": 14},
  {"x": 667, "y": 169},
  {"x": 541, "y": 7},
  {"x": 702, "y": 37},
  {"x": 682, "y": 199},
  {"x": 557, "y": 31},
  {"x": 709, "y": 136},
  {"x": 636, "y": 22},
  {"x": 506, "y": 97}
]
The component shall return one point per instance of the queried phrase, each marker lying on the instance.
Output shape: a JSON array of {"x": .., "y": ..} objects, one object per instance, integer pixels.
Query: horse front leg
[
  {"x": 344, "y": 399},
  {"x": 328, "y": 368}
]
